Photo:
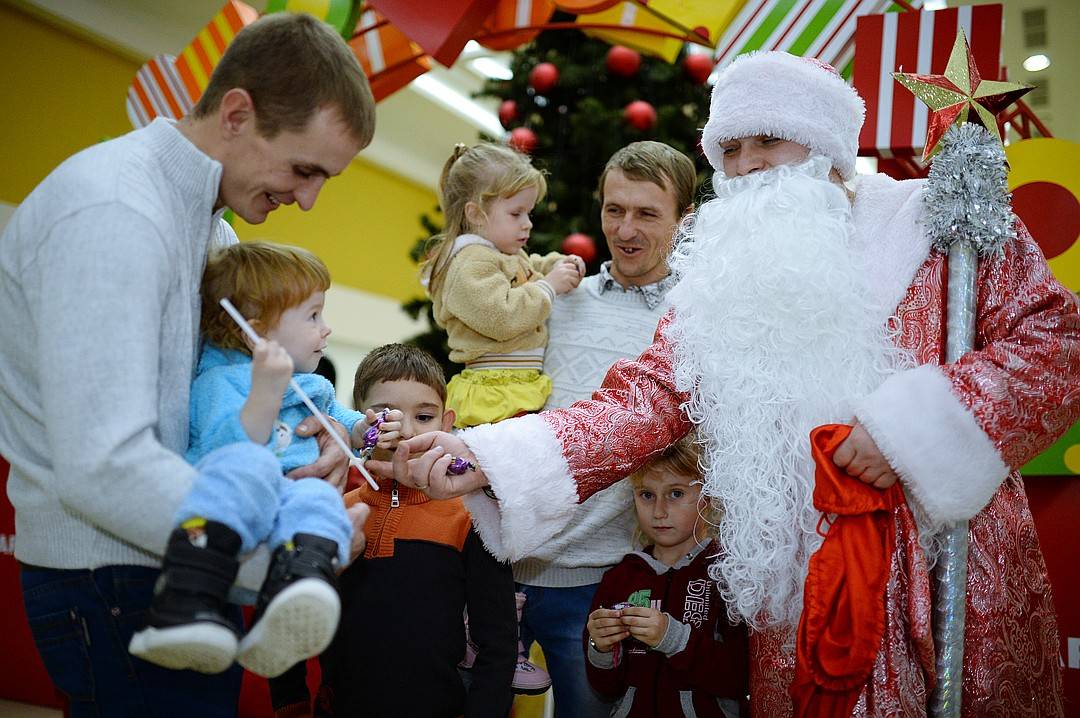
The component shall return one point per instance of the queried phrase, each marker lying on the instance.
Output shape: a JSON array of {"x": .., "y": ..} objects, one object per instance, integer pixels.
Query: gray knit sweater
[
  {"x": 588, "y": 332},
  {"x": 99, "y": 312}
]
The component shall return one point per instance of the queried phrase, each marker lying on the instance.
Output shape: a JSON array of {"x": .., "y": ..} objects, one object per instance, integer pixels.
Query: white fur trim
[
  {"x": 889, "y": 235},
  {"x": 794, "y": 98},
  {"x": 946, "y": 461},
  {"x": 466, "y": 240},
  {"x": 526, "y": 469}
]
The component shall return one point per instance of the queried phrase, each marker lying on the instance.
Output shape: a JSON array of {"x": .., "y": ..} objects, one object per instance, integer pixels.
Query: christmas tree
[{"x": 572, "y": 102}]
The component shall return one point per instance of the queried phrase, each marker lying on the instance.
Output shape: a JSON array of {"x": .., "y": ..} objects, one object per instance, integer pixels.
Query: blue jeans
[
  {"x": 260, "y": 504},
  {"x": 82, "y": 622},
  {"x": 555, "y": 618}
]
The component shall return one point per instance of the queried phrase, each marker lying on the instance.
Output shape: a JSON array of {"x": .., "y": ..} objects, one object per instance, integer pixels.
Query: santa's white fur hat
[{"x": 794, "y": 98}]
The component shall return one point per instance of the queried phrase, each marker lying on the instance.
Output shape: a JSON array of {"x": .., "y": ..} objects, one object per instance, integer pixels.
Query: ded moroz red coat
[{"x": 955, "y": 435}]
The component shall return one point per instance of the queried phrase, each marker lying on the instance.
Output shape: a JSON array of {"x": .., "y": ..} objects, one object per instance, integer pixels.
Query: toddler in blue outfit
[{"x": 241, "y": 397}]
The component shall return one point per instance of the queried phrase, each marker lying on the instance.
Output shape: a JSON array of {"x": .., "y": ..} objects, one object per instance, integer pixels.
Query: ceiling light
[
  {"x": 490, "y": 68},
  {"x": 459, "y": 104},
  {"x": 1035, "y": 63}
]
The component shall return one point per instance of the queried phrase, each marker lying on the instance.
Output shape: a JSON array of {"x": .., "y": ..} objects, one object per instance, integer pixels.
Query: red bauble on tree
[
  {"x": 640, "y": 115},
  {"x": 698, "y": 67},
  {"x": 544, "y": 77},
  {"x": 580, "y": 244},
  {"x": 622, "y": 61},
  {"x": 523, "y": 139},
  {"x": 507, "y": 113}
]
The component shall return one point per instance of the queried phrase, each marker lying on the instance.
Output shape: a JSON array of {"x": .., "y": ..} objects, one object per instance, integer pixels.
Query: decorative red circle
[
  {"x": 623, "y": 61},
  {"x": 1051, "y": 213},
  {"x": 523, "y": 139},
  {"x": 580, "y": 244}
]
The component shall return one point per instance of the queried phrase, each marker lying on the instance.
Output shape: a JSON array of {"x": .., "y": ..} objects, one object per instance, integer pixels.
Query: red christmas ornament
[
  {"x": 640, "y": 115},
  {"x": 580, "y": 244},
  {"x": 698, "y": 67},
  {"x": 507, "y": 113},
  {"x": 622, "y": 61},
  {"x": 544, "y": 77},
  {"x": 523, "y": 139}
]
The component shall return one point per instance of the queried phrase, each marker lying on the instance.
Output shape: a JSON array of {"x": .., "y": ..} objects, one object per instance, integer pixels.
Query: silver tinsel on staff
[{"x": 968, "y": 215}]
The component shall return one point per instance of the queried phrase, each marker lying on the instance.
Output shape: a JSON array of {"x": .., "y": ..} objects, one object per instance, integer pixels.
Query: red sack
[{"x": 843, "y": 618}]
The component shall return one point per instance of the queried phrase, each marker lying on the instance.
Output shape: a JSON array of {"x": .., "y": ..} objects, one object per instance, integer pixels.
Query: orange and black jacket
[{"x": 402, "y": 631}]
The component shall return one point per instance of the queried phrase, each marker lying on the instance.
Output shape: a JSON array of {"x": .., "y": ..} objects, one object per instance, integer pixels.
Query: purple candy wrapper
[{"x": 459, "y": 466}]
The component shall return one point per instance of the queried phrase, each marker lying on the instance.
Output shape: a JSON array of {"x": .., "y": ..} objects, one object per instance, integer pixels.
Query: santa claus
[{"x": 802, "y": 302}]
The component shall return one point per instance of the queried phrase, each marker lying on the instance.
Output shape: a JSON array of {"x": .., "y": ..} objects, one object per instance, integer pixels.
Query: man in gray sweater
[
  {"x": 645, "y": 189},
  {"x": 99, "y": 322}
]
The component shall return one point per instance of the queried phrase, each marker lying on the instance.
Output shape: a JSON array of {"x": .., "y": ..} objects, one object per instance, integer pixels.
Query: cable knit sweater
[
  {"x": 99, "y": 316},
  {"x": 588, "y": 332},
  {"x": 493, "y": 303}
]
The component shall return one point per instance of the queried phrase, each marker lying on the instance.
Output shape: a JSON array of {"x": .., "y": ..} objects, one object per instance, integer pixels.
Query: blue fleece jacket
[{"x": 221, "y": 386}]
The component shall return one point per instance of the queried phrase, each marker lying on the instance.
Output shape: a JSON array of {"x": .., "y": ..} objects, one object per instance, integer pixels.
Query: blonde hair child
[{"x": 492, "y": 298}]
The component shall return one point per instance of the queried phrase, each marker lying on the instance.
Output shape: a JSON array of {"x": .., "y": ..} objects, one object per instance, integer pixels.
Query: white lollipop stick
[{"x": 353, "y": 459}]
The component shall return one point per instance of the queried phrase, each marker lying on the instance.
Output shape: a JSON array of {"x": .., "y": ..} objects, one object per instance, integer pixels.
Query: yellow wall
[{"x": 62, "y": 93}]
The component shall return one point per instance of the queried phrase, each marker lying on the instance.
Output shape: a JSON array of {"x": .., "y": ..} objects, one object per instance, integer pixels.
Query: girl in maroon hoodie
[{"x": 659, "y": 640}]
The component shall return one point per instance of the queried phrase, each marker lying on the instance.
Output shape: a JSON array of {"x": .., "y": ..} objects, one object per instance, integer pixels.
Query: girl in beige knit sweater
[{"x": 492, "y": 297}]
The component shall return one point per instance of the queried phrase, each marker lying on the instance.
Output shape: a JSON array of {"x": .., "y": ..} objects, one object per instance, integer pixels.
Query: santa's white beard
[{"x": 775, "y": 332}]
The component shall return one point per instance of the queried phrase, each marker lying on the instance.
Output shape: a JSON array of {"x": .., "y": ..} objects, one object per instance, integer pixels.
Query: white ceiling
[{"x": 414, "y": 133}]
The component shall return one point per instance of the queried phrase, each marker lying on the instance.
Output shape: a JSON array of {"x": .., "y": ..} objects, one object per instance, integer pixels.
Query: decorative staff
[{"x": 968, "y": 215}]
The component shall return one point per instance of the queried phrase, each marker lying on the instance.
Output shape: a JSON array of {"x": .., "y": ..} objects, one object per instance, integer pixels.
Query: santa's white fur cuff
[
  {"x": 946, "y": 461},
  {"x": 536, "y": 492}
]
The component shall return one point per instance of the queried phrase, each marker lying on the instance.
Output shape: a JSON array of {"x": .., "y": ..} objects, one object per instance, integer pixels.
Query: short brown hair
[
  {"x": 397, "y": 362},
  {"x": 262, "y": 280},
  {"x": 293, "y": 65},
  {"x": 661, "y": 164}
]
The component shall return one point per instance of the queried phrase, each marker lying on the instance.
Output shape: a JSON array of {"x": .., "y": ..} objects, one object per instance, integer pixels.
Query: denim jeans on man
[
  {"x": 555, "y": 618},
  {"x": 82, "y": 621}
]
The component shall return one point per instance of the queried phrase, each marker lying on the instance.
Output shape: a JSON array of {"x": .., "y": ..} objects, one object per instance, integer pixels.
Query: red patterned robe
[{"x": 955, "y": 434}]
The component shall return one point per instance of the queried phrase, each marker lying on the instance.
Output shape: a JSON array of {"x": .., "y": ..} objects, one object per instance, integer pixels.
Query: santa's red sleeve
[
  {"x": 541, "y": 465},
  {"x": 954, "y": 432}
]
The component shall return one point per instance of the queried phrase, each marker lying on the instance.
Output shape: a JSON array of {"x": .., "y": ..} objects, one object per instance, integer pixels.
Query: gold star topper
[{"x": 953, "y": 96}]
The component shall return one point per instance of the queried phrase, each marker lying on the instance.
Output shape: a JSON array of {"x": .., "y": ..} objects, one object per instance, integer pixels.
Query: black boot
[
  {"x": 187, "y": 627},
  {"x": 298, "y": 608}
]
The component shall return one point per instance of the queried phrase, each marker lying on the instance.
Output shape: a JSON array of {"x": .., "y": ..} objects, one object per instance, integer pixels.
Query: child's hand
[
  {"x": 578, "y": 262},
  {"x": 389, "y": 429},
  {"x": 648, "y": 625},
  {"x": 606, "y": 629},
  {"x": 271, "y": 368},
  {"x": 564, "y": 277}
]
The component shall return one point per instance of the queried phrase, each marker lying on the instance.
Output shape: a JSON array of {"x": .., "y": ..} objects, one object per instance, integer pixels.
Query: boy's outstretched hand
[
  {"x": 648, "y": 625},
  {"x": 389, "y": 429},
  {"x": 421, "y": 462},
  {"x": 606, "y": 628}
]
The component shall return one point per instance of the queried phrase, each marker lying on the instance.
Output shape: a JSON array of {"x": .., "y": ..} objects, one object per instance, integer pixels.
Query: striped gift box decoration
[
  {"x": 497, "y": 32},
  {"x": 169, "y": 87},
  {"x": 388, "y": 57},
  {"x": 197, "y": 60},
  {"x": 824, "y": 29},
  {"x": 919, "y": 42},
  {"x": 157, "y": 91}
]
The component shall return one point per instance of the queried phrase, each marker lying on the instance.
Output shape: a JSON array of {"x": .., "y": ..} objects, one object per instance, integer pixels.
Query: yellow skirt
[{"x": 484, "y": 396}]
